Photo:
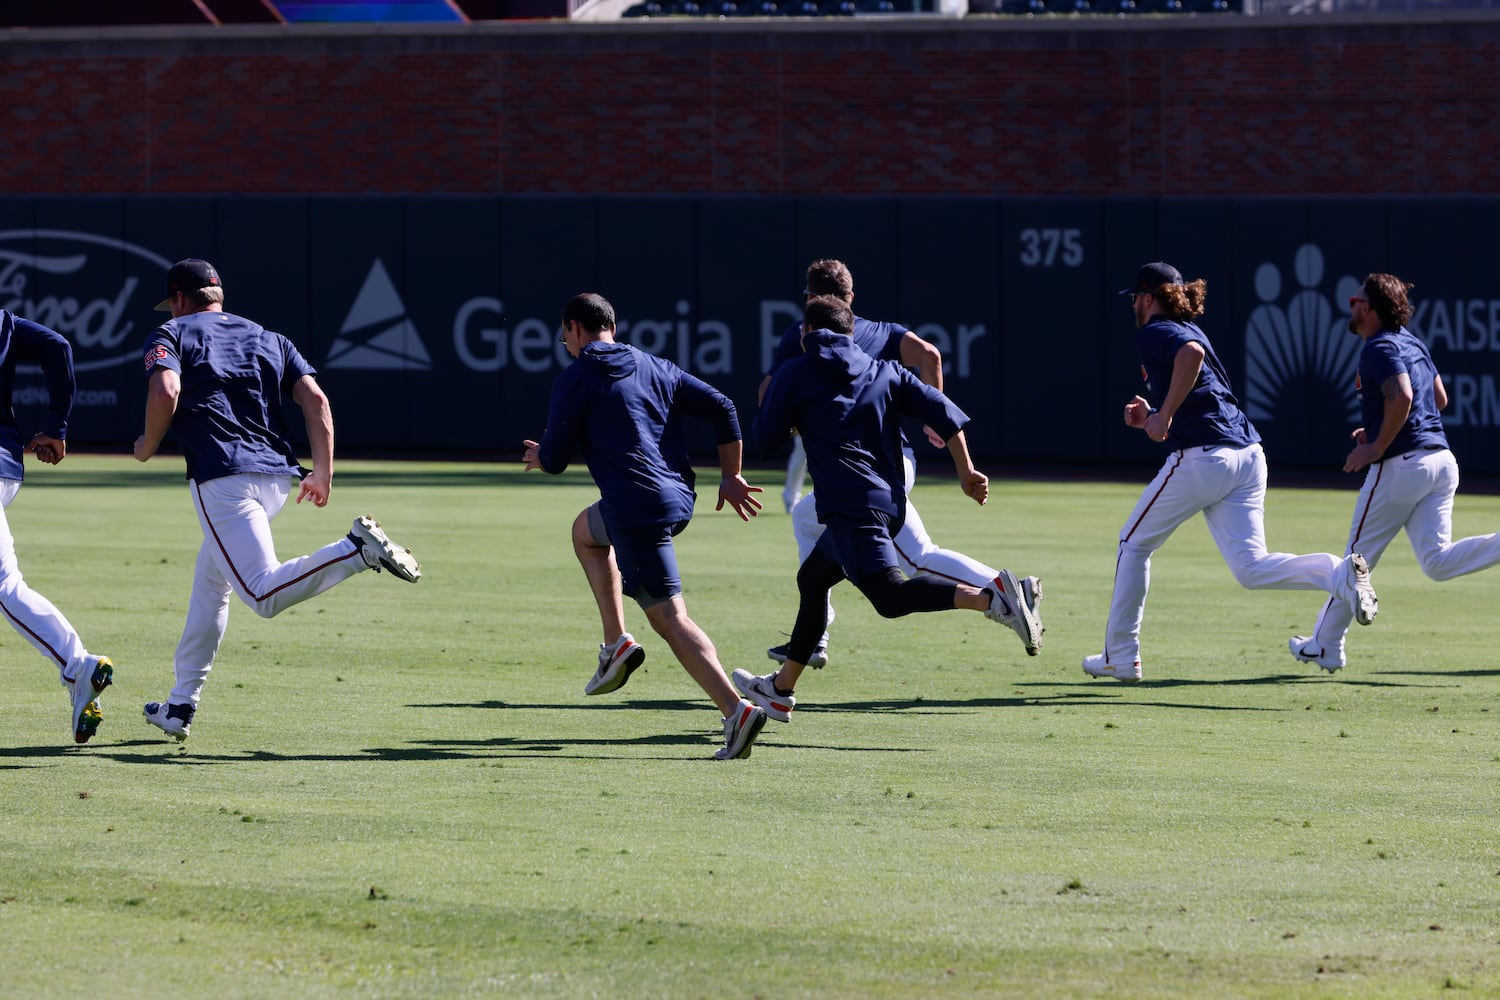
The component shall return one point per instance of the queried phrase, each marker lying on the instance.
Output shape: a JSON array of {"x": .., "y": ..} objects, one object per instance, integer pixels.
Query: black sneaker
[{"x": 818, "y": 660}]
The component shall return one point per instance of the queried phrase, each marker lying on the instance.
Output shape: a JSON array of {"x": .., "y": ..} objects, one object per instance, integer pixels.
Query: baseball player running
[
  {"x": 1412, "y": 475},
  {"x": 1216, "y": 466},
  {"x": 917, "y": 554},
  {"x": 29, "y": 613},
  {"x": 216, "y": 379}
]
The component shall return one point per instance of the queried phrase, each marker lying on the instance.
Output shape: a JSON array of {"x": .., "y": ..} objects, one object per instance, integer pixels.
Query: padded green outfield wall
[{"x": 433, "y": 320}]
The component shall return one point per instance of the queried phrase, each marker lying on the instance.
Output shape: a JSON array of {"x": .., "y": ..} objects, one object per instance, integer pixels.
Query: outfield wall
[
  {"x": 433, "y": 320},
  {"x": 1380, "y": 104}
]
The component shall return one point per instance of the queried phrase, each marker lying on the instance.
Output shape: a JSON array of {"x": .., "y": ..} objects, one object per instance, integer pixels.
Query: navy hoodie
[
  {"x": 622, "y": 409},
  {"x": 844, "y": 403},
  {"x": 25, "y": 342}
]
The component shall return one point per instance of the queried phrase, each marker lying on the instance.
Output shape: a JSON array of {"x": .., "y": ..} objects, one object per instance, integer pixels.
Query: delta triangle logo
[{"x": 377, "y": 333}]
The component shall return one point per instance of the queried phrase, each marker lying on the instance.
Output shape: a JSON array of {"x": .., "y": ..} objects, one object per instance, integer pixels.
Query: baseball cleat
[
  {"x": 1095, "y": 666},
  {"x": 174, "y": 720},
  {"x": 740, "y": 730},
  {"x": 761, "y": 689},
  {"x": 617, "y": 661},
  {"x": 1307, "y": 649},
  {"x": 1362, "y": 600},
  {"x": 1012, "y": 604},
  {"x": 87, "y": 685},
  {"x": 379, "y": 552}
]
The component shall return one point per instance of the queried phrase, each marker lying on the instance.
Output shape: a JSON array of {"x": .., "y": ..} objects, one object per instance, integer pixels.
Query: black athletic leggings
[{"x": 889, "y": 593}]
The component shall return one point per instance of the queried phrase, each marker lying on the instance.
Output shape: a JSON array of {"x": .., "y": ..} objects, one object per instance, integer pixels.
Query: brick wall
[{"x": 1144, "y": 106}]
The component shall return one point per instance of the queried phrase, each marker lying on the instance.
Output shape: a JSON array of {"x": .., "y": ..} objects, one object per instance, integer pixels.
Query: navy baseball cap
[
  {"x": 1153, "y": 276},
  {"x": 188, "y": 276}
]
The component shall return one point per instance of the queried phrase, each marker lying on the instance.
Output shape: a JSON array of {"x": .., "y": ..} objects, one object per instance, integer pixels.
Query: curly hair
[
  {"x": 1387, "y": 295},
  {"x": 1182, "y": 303}
]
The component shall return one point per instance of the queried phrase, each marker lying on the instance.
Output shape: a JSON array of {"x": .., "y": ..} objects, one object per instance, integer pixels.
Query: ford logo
[{"x": 86, "y": 287}]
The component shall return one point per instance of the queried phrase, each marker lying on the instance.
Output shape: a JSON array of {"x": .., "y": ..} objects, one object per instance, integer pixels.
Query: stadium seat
[
  {"x": 646, "y": 8},
  {"x": 799, "y": 8},
  {"x": 837, "y": 8}
]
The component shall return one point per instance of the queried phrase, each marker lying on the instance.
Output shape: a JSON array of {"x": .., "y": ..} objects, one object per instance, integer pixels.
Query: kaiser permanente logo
[
  {"x": 377, "y": 333},
  {"x": 1300, "y": 357},
  {"x": 1297, "y": 341}
]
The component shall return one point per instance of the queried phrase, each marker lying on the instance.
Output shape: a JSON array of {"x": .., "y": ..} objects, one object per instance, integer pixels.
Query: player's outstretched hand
[
  {"x": 530, "y": 455},
  {"x": 740, "y": 495},
  {"x": 1136, "y": 412},
  {"x": 976, "y": 486},
  {"x": 317, "y": 484},
  {"x": 48, "y": 448}
]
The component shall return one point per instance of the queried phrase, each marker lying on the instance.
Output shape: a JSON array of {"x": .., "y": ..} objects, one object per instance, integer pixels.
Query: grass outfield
[{"x": 400, "y": 790}]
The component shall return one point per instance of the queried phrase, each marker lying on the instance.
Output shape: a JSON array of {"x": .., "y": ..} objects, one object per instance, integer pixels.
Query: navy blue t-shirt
[
  {"x": 23, "y": 341},
  {"x": 1210, "y": 415},
  {"x": 1384, "y": 356},
  {"x": 234, "y": 372},
  {"x": 881, "y": 341},
  {"x": 622, "y": 409}
]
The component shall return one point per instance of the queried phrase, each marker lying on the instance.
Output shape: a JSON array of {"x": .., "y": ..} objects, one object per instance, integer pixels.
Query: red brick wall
[{"x": 1207, "y": 106}]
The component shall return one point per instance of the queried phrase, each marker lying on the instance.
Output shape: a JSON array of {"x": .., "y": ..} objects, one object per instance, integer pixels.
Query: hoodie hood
[
  {"x": 609, "y": 360},
  {"x": 835, "y": 356}
]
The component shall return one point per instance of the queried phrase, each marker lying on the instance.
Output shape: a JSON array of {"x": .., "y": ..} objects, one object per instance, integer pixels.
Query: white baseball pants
[
  {"x": 796, "y": 474},
  {"x": 1413, "y": 491},
  {"x": 1229, "y": 486},
  {"x": 238, "y": 557},
  {"x": 34, "y": 617}
]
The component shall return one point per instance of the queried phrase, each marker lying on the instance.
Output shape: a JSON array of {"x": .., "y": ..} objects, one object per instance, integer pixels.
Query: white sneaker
[
  {"x": 617, "y": 662},
  {"x": 1095, "y": 666},
  {"x": 1307, "y": 649},
  {"x": 761, "y": 689},
  {"x": 818, "y": 660},
  {"x": 174, "y": 720},
  {"x": 740, "y": 730},
  {"x": 87, "y": 684},
  {"x": 379, "y": 552},
  {"x": 1362, "y": 599},
  {"x": 1010, "y": 604}
]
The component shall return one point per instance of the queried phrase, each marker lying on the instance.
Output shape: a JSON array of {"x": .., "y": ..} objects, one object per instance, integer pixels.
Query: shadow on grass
[
  {"x": 1321, "y": 677},
  {"x": 906, "y": 706},
  {"x": 497, "y": 748},
  {"x": 1437, "y": 673}
]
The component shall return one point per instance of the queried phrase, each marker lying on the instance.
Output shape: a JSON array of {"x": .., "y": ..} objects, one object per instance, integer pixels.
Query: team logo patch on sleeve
[{"x": 155, "y": 354}]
